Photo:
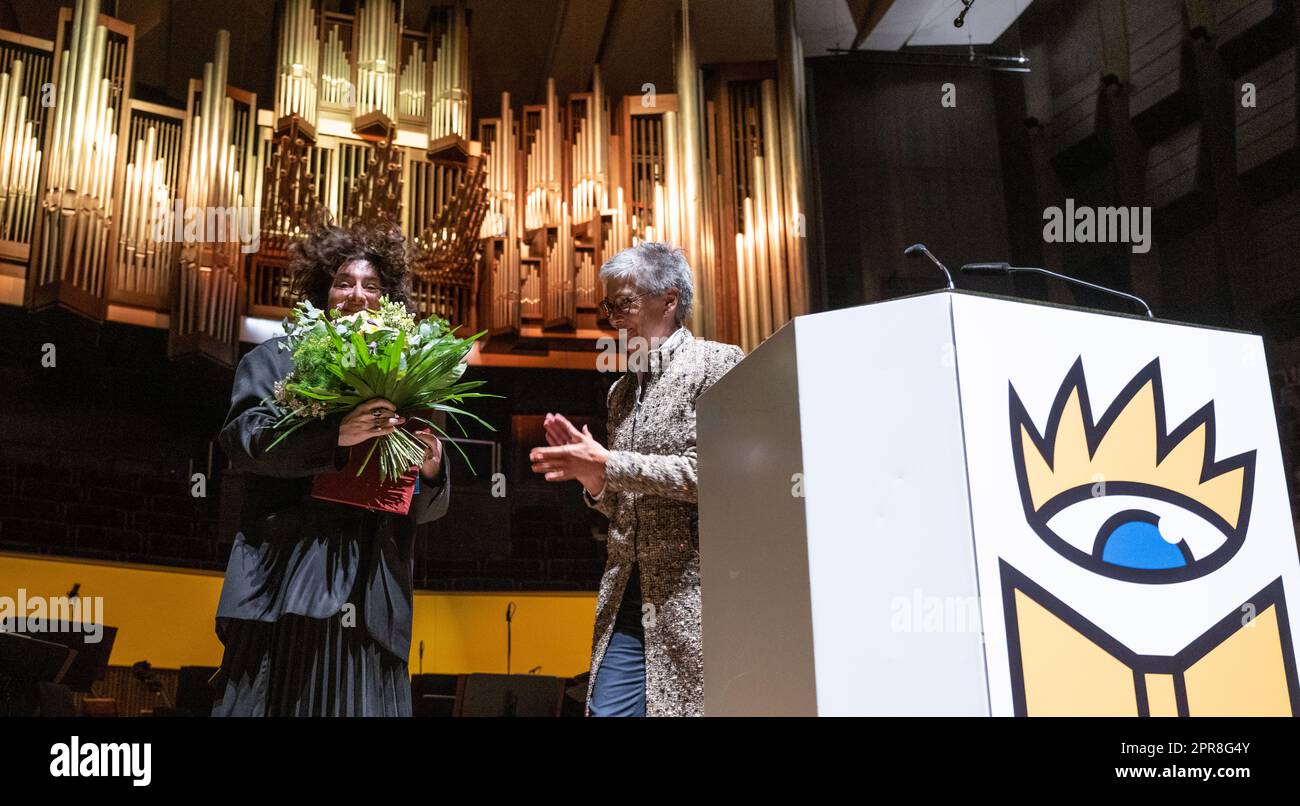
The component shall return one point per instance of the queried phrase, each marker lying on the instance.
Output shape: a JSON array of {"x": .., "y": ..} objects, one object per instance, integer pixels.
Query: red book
[{"x": 366, "y": 491}]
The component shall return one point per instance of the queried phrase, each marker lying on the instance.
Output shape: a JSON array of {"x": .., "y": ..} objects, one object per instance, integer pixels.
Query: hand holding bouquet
[{"x": 341, "y": 361}]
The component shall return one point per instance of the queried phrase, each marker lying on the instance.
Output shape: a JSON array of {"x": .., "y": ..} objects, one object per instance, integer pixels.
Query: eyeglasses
[{"x": 608, "y": 308}]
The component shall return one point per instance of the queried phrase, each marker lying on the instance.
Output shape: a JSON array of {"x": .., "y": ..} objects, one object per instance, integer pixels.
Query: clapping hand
[{"x": 572, "y": 454}]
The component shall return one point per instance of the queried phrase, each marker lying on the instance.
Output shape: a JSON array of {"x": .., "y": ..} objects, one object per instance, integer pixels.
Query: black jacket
[{"x": 296, "y": 554}]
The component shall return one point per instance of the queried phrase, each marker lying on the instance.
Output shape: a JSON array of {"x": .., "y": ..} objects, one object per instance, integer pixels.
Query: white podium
[{"x": 955, "y": 503}]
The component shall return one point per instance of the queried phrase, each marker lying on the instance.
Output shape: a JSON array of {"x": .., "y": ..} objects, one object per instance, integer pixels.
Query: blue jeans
[{"x": 620, "y": 679}]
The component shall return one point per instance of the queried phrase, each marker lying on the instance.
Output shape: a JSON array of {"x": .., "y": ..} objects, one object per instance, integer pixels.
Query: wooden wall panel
[
  {"x": 1074, "y": 65},
  {"x": 1267, "y": 129},
  {"x": 1234, "y": 17},
  {"x": 1171, "y": 166},
  {"x": 882, "y": 187},
  {"x": 1155, "y": 37}
]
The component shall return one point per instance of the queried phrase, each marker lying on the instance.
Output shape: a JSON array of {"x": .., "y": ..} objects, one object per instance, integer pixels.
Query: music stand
[
  {"x": 25, "y": 663},
  {"x": 510, "y": 695},
  {"x": 91, "y": 661},
  {"x": 434, "y": 694}
]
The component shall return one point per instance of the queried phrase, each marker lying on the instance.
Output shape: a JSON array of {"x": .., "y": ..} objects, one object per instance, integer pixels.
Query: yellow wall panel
[{"x": 166, "y": 616}]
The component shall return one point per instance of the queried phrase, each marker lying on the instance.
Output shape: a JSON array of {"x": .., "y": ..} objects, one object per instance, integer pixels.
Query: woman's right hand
[{"x": 374, "y": 418}]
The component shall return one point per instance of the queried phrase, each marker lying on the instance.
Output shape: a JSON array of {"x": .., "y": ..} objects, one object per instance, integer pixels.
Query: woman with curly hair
[{"x": 315, "y": 611}]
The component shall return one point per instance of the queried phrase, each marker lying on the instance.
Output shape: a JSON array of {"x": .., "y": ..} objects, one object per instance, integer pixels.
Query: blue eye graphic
[
  {"x": 1123, "y": 495},
  {"x": 1132, "y": 539},
  {"x": 1142, "y": 533}
]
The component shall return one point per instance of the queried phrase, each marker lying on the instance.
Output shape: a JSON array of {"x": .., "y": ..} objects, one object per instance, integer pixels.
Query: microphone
[
  {"x": 510, "y": 612},
  {"x": 989, "y": 269},
  {"x": 986, "y": 269},
  {"x": 920, "y": 247}
]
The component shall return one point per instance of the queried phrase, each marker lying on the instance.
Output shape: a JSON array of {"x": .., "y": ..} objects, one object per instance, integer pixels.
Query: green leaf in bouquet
[
  {"x": 363, "y": 351},
  {"x": 398, "y": 453},
  {"x": 449, "y": 438},
  {"x": 391, "y": 358},
  {"x": 375, "y": 379},
  {"x": 316, "y": 394},
  {"x": 286, "y": 433},
  {"x": 454, "y": 411},
  {"x": 351, "y": 378},
  {"x": 374, "y": 443}
]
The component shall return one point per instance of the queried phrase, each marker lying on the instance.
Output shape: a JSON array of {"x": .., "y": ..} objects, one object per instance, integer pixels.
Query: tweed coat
[{"x": 650, "y": 500}]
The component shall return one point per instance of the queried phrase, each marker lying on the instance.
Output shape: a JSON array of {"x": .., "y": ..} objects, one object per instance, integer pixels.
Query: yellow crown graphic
[{"x": 1127, "y": 450}]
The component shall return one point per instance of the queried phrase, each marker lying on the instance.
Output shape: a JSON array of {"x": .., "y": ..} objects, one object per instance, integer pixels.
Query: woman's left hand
[{"x": 432, "y": 453}]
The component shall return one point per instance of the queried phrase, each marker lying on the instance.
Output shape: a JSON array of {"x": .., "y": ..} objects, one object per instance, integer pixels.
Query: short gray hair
[{"x": 655, "y": 267}]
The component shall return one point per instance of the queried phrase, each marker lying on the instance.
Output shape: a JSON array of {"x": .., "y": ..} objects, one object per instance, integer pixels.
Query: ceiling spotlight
[{"x": 961, "y": 18}]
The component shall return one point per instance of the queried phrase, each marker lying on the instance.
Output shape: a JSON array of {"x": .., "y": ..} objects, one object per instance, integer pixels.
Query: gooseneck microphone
[
  {"x": 920, "y": 247},
  {"x": 987, "y": 269},
  {"x": 510, "y": 614}
]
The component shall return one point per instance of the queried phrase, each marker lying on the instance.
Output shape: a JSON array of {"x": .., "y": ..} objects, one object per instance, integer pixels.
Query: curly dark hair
[{"x": 314, "y": 260}]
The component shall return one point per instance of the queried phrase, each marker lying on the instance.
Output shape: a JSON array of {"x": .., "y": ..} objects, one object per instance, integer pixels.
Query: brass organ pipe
[
  {"x": 672, "y": 183},
  {"x": 748, "y": 295},
  {"x": 14, "y": 110},
  {"x": 776, "y": 227},
  {"x": 790, "y": 88},
  {"x": 82, "y": 46},
  {"x": 762, "y": 265},
  {"x": 743, "y": 270},
  {"x": 61, "y": 133},
  {"x": 689, "y": 174}
]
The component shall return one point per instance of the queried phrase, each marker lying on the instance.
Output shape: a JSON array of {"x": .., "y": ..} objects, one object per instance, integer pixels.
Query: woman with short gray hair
[{"x": 647, "y": 657}]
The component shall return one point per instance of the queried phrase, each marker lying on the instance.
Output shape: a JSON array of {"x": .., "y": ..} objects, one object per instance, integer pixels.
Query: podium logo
[
  {"x": 1168, "y": 511},
  {"x": 1165, "y": 511},
  {"x": 1062, "y": 664},
  {"x": 93, "y": 760}
]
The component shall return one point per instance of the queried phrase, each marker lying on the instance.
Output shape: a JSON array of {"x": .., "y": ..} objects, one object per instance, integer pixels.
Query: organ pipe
[
  {"x": 377, "y": 31},
  {"x": 299, "y": 62},
  {"x": 71, "y": 242},
  {"x": 449, "y": 112},
  {"x": 20, "y": 157},
  {"x": 204, "y": 316}
]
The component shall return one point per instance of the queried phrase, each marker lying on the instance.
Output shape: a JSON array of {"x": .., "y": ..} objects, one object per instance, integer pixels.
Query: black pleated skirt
[{"x": 301, "y": 666}]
